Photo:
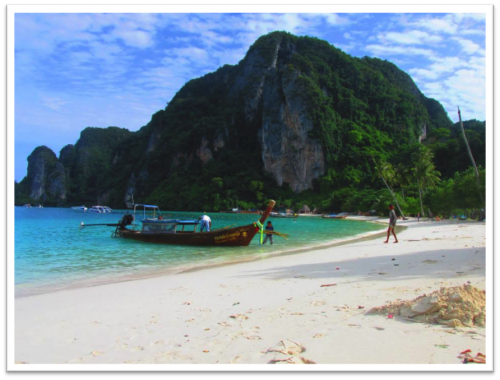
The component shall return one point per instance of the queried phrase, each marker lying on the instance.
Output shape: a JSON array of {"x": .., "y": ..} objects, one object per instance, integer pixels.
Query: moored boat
[
  {"x": 342, "y": 215},
  {"x": 81, "y": 208},
  {"x": 174, "y": 231},
  {"x": 99, "y": 209},
  {"x": 283, "y": 215},
  {"x": 155, "y": 229}
]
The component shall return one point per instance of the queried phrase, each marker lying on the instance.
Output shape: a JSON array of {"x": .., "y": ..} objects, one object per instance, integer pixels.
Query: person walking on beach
[
  {"x": 418, "y": 218},
  {"x": 205, "y": 223},
  {"x": 392, "y": 223},
  {"x": 269, "y": 235}
]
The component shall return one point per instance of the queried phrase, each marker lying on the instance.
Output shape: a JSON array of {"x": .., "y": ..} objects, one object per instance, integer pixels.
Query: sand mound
[{"x": 456, "y": 307}]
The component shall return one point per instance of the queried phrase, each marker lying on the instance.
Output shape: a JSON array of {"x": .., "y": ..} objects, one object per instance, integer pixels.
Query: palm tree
[
  {"x": 425, "y": 173},
  {"x": 403, "y": 177},
  {"x": 385, "y": 171},
  {"x": 476, "y": 172}
]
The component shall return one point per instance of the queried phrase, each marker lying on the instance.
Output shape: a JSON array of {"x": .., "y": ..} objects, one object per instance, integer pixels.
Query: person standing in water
[
  {"x": 269, "y": 233},
  {"x": 392, "y": 224}
]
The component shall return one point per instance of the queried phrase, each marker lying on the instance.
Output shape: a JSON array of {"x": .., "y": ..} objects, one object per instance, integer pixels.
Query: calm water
[{"x": 52, "y": 253}]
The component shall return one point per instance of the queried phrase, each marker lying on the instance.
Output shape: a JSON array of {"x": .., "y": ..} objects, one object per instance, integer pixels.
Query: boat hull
[{"x": 230, "y": 237}]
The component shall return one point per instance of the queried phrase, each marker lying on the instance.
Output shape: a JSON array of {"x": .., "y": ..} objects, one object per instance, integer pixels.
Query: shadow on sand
[{"x": 443, "y": 263}]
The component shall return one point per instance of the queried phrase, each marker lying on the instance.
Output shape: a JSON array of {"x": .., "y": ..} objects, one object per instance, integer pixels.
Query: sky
[{"x": 74, "y": 70}]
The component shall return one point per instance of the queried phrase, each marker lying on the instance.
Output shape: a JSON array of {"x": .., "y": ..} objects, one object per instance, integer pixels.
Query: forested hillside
[{"x": 297, "y": 120}]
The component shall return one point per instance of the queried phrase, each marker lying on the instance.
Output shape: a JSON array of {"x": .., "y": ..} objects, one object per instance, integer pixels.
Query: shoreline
[
  {"x": 167, "y": 271},
  {"x": 239, "y": 314}
]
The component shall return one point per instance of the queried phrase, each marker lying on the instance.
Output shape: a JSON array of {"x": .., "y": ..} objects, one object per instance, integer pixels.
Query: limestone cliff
[
  {"x": 292, "y": 112},
  {"x": 46, "y": 176}
]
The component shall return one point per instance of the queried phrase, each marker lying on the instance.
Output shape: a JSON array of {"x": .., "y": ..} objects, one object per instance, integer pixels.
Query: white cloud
[
  {"x": 53, "y": 103},
  {"x": 191, "y": 53},
  {"x": 382, "y": 50},
  {"x": 468, "y": 46},
  {"x": 335, "y": 19},
  {"x": 135, "y": 38},
  {"x": 425, "y": 73},
  {"x": 447, "y": 64},
  {"x": 445, "y": 24},
  {"x": 413, "y": 37},
  {"x": 461, "y": 17}
]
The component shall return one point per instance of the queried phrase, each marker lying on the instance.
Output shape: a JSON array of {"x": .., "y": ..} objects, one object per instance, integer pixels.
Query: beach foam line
[{"x": 292, "y": 251}]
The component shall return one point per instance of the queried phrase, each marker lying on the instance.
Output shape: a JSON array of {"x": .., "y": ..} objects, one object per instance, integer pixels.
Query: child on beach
[
  {"x": 392, "y": 224},
  {"x": 269, "y": 235}
]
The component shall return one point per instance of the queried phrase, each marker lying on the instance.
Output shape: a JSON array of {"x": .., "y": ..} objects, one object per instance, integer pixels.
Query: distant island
[{"x": 296, "y": 120}]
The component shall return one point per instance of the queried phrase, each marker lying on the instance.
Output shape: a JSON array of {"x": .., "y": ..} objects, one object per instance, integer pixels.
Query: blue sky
[{"x": 77, "y": 70}]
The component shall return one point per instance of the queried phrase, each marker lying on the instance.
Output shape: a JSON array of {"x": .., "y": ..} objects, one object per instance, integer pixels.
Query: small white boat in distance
[
  {"x": 100, "y": 209},
  {"x": 27, "y": 205},
  {"x": 79, "y": 208}
]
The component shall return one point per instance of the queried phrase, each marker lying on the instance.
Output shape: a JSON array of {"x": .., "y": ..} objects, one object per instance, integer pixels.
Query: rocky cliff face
[
  {"x": 46, "y": 176},
  {"x": 289, "y": 154}
]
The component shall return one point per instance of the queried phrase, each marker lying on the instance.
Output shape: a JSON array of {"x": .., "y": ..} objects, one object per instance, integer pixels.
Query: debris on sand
[
  {"x": 291, "y": 353},
  {"x": 457, "y": 306},
  {"x": 240, "y": 317},
  {"x": 467, "y": 357}
]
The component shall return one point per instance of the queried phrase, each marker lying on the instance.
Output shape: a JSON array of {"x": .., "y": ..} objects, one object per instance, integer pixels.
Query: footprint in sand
[
  {"x": 253, "y": 337},
  {"x": 318, "y": 303},
  {"x": 239, "y": 317}
]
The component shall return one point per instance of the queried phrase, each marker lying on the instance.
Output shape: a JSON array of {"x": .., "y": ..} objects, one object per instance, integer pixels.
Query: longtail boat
[
  {"x": 155, "y": 229},
  {"x": 284, "y": 215},
  {"x": 342, "y": 215}
]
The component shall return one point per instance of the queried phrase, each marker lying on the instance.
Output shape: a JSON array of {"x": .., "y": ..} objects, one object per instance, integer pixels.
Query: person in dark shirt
[
  {"x": 392, "y": 224},
  {"x": 269, "y": 233}
]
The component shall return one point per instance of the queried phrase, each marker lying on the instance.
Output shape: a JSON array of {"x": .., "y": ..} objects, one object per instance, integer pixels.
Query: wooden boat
[
  {"x": 173, "y": 231},
  {"x": 283, "y": 215},
  {"x": 342, "y": 215}
]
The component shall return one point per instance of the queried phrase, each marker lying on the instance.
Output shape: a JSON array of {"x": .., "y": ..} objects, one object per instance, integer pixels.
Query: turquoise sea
[{"x": 52, "y": 253}]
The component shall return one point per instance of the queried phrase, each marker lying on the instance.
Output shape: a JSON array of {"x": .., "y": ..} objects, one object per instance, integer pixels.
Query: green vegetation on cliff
[{"x": 205, "y": 150}]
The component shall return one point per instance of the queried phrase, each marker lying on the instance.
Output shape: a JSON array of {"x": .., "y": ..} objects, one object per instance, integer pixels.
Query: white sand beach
[{"x": 240, "y": 314}]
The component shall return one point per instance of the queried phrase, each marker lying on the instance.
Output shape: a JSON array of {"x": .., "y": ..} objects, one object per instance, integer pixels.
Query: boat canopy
[
  {"x": 147, "y": 206},
  {"x": 171, "y": 221},
  {"x": 166, "y": 225},
  {"x": 155, "y": 210}
]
